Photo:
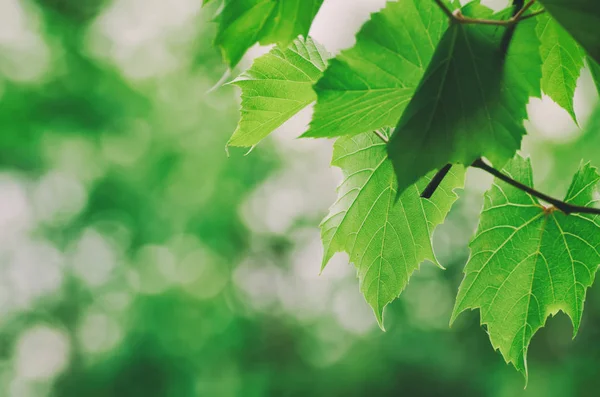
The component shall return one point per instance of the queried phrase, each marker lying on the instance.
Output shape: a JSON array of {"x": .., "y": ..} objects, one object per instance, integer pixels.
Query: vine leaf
[
  {"x": 243, "y": 23},
  {"x": 578, "y": 17},
  {"x": 562, "y": 61},
  {"x": 385, "y": 239},
  {"x": 528, "y": 262},
  {"x": 276, "y": 87},
  {"x": 472, "y": 100},
  {"x": 368, "y": 86}
]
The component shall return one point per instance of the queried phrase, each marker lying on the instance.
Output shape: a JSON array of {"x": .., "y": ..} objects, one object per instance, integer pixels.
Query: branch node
[{"x": 556, "y": 204}]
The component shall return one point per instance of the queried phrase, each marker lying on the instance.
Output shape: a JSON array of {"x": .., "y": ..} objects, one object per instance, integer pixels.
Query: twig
[
  {"x": 381, "y": 136},
  {"x": 436, "y": 181},
  {"x": 522, "y": 11},
  {"x": 532, "y": 15},
  {"x": 444, "y": 8},
  {"x": 561, "y": 205},
  {"x": 458, "y": 17}
]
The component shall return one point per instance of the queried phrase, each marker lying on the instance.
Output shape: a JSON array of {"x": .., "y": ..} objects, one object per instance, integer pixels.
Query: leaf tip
[
  {"x": 221, "y": 82},
  {"x": 380, "y": 321}
]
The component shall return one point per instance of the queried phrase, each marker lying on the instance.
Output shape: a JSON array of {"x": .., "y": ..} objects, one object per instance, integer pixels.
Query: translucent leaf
[
  {"x": 243, "y": 23},
  {"x": 276, "y": 87},
  {"x": 580, "y": 18},
  {"x": 368, "y": 86},
  {"x": 528, "y": 261},
  {"x": 472, "y": 100},
  {"x": 562, "y": 63},
  {"x": 385, "y": 239}
]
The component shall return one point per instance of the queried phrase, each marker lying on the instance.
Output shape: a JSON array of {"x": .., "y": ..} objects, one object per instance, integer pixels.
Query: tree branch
[
  {"x": 458, "y": 17},
  {"x": 532, "y": 15},
  {"x": 567, "y": 208},
  {"x": 444, "y": 8},
  {"x": 523, "y": 9},
  {"x": 436, "y": 181}
]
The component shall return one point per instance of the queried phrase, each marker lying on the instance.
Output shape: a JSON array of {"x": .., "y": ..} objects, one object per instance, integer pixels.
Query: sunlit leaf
[
  {"x": 580, "y": 18},
  {"x": 528, "y": 262},
  {"x": 276, "y": 87},
  {"x": 562, "y": 63},
  {"x": 386, "y": 239},
  {"x": 368, "y": 86},
  {"x": 471, "y": 102},
  {"x": 243, "y": 23}
]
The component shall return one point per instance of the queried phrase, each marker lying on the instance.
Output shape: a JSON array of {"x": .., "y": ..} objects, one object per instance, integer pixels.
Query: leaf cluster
[{"x": 430, "y": 86}]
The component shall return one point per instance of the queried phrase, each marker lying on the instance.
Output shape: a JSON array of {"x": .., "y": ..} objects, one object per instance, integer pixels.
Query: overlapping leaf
[
  {"x": 385, "y": 239},
  {"x": 562, "y": 63},
  {"x": 243, "y": 23},
  {"x": 368, "y": 86},
  {"x": 595, "y": 69},
  {"x": 528, "y": 262},
  {"x": 580, "y": 18},
  {"x": 472, "y": 100},
  {"x": 276, "y": 87}
]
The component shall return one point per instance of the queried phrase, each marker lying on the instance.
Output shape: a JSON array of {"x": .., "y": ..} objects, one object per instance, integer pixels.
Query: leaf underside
[
  {"x": 243, "y": 23},
  {"x": 562, "y": 63},
  {"x": 580, "y": 18},
  {"x": 528, "y": 262},
  {"x": 276, "y": 87},
  {"x": 385, "y": 239},
  {"x": 368, "y": 86},
  {"x": 471, "y": 102}
]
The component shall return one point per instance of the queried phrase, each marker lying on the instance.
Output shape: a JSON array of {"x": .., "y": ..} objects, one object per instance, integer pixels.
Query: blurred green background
[{"x": 138, "y": 259}]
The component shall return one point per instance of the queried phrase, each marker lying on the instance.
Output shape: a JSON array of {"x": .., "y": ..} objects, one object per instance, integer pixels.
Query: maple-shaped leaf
[
  {"x": 368, "y": 86},
  {"x": 472, "y": 100},
  {"x": 243, "y": 23},
  {"x": 276, "y": 87},
  {"x": 562, "y": 61},
  {"x": 529, "y": 261},
  {"x": 580, "y": 18},
  {"x": 385, "y": 238}
]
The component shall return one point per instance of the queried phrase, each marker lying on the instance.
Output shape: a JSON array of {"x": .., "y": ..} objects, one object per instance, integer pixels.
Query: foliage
[
  {"x": 137, "y": 258},
  {"x": 243, "y": 23},
  {"x": 529, "y": 261},
  {"x": 276, "y": 87},
  {"x": 454, "y": 82},
  {"x": 385, "y": 238}
]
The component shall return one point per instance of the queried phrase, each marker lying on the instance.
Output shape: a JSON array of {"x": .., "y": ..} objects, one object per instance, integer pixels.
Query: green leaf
[
  {"x": 368, "y": 86},
  {"x": 528, "y": 262},
  {"x": 471, "y": 102},
  {"x": 276, "y": 87},
  {"x": 243, "y": 23},
  {"x": 595, "y": 70},
  {"x": 385, "y": 239},
  {"x": 580, "y": 18},
  {"x": 562, "y": 63}
]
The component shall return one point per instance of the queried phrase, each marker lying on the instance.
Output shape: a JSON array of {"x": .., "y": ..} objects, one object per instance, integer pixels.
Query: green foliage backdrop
[{"x": 143, "y": 253}]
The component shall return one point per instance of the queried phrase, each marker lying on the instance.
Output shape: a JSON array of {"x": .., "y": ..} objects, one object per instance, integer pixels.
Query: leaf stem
[
  {"x": 436, "y": 181},
  {"x": 567, "y": 208},
  {"x": 381, "y": 136},
  {"x": 445, "y": 8},
  {"x": 532, "y": 15},
  {"x": 522, "y": 11},
  {"x": 458, "y": 17}
]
